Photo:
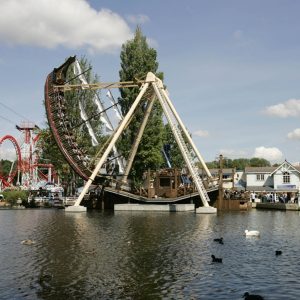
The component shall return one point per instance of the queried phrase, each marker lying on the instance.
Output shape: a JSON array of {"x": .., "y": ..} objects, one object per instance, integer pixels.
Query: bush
[{"x": 12, "y": 196}]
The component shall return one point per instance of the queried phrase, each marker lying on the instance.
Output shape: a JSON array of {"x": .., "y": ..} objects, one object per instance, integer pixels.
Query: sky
[{"x": 232, "y": 68}]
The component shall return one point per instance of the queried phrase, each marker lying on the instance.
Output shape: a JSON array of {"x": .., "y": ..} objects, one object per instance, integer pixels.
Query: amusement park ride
[
  {"x": 150, "y": 90},
  {"x": 26, "y": 171}
]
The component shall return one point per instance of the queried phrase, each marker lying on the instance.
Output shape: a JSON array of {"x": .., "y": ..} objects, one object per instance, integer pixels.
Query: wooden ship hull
[{"x": 167, "y": 186}]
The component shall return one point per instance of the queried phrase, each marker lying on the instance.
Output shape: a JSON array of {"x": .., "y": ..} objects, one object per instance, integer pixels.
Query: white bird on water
[
  {"x": 252, "y": 232},
  {"x": 28, "y": 242}
]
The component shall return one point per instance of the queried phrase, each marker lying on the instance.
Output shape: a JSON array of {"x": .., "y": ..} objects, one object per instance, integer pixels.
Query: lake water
[{"x": 144, "y": 255}]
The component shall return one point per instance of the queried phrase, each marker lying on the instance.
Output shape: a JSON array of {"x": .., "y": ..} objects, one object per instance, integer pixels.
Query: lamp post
[{"x": 220, "y": 198}]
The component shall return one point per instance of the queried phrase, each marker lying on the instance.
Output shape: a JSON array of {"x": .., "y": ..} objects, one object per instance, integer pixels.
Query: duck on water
[{"x": 248, "y": 296}]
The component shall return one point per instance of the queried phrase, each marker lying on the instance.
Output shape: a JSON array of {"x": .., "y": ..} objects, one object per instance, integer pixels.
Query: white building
[{"x": 275, "y": 183}]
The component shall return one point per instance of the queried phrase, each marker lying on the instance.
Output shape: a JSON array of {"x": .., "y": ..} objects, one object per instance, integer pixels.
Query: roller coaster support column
[{"x": 123, "y": 124}]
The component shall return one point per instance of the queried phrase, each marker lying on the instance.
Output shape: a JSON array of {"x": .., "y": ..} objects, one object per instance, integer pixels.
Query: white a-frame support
[{"x": 186, "y": 145}]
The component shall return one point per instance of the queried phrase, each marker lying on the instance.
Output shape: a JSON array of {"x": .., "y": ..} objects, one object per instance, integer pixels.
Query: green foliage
[
  {"x": 8, "y": 167},
  {"x": 5, "y": 166},
  {"x": 137, "y": 59},
  {"x": 12, "y": 196},
  {"x": 212, "y": 164},
  {"x": 259, "y": 162},
  {"x": 239, "y": 163}
]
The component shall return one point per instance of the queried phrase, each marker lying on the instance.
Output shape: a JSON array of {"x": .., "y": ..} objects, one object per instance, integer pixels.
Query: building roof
[
  {"x": 216, "y": 171},
  {"x": 260, "y": 169},
  {"x": 260, "y": 188},
  {"x": 270, "y": 169},
  {"x": 287, "y": 166}
]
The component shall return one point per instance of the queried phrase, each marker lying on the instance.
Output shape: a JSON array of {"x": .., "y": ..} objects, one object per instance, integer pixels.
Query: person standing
[{"x": 252, "y": 197}]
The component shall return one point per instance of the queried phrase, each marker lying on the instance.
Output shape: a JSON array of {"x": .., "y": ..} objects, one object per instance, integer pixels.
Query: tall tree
[{"x": 137, "y": 59}]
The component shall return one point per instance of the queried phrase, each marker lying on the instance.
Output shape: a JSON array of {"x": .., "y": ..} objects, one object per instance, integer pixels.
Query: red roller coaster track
[{"x": 7, "y": 181}]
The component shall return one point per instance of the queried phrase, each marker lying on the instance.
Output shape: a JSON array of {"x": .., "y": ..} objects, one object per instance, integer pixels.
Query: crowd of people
[
  {"x": 263, "y": 197},
  {"x": 282, "y": 197}
]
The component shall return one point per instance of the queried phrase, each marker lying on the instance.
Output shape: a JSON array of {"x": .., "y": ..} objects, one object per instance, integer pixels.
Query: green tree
[
  {"x": 9, "y": 168},
  {"x": 50, "y": 154},
  {"x": 5, "y": 167},
  {"x": 259, "y": 162},
  {"x": 137, "y": 59},
  {"x": 240, "y": 163},
  {"x": 211, "y": 164},
  {"x": 12, "y": 196}
]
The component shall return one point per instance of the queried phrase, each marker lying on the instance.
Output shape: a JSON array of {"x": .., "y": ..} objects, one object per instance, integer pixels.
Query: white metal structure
[
  {"x": 187, "y": 147},
  {"x": 103, "y": 116}
]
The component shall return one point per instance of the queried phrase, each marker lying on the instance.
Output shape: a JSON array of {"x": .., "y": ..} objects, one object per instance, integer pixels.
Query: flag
[
  {"x": 119, "y": 160},
  {"x": 88, "y": 125},
  {"x": 77, "y": 71},
  {"x": 103, "y": 116},
  {"x": 115, "y": 107}
]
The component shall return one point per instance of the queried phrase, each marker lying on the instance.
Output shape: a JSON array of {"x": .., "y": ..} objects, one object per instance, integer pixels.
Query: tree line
[{"x": 239, "y": 163}]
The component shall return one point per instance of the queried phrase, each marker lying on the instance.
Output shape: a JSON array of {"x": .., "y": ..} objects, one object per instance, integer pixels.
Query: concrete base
[
  {"x": 75, "y": 209},
  {"x": 154, "y": 207},
  {"x": 206, "y": 210},
  {"x": 278, "y": 206}
]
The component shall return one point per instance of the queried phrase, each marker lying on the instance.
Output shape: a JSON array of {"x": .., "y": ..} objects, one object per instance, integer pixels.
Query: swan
[
  {"x": 252, "y": 232},
  {"x": 28, "y": 242}
]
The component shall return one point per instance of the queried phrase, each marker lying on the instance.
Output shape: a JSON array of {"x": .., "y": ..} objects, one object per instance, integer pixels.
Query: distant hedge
[{"x": 12, "y": 196}]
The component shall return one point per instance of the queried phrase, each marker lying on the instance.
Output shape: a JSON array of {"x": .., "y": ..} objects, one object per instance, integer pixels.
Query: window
[
  {"x": 286, "y": 177},
  {"x": 260, "y": 177},
  {"x": 163, "y": 182}
]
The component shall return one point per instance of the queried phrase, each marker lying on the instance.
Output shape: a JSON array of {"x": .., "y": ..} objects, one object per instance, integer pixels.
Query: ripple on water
[{"x": 147, "y": 255}]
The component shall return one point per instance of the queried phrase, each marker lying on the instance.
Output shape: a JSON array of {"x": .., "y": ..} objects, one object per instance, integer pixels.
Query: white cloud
[
  {"x": 201, "y": 133},
  {"x": 137, "y": 19},
  {"x": 294, "y": 135},
  {"x": 271, "y": 154},
  {"x": 289, "y": 108},
  {"x": 68, "y": 23}
]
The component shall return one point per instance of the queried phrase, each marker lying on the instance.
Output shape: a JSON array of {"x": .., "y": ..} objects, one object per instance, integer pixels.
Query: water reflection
[{"x": 136, "y": 255}]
